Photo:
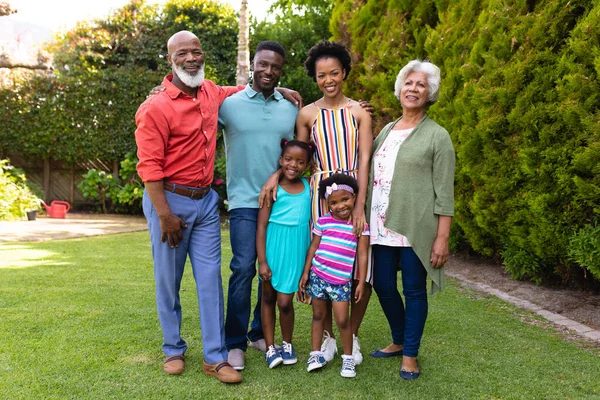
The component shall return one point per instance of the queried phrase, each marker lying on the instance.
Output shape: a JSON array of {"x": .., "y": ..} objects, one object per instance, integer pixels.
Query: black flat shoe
[
  {"x": 383, "y": 354},
  {"x": 410, "y": 376}
]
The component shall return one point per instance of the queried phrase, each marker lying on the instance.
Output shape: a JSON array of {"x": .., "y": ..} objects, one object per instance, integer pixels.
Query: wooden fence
[{"x": 58, "y": 179}]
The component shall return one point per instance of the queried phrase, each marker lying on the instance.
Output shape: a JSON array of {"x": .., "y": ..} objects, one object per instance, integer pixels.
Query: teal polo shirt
[{"x": 253, "y": 128}]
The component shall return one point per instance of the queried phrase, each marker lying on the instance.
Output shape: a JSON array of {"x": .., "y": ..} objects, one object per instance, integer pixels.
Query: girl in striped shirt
[{"x": 328, "y": 268}]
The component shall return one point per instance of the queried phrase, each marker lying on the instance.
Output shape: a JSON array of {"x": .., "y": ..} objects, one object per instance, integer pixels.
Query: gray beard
[{"x": 188, "y": 79}]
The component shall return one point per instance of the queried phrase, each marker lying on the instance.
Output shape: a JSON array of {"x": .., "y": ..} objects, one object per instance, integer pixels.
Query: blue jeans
[
  {"x": 407, "y": 325},
  {"x": 242, "y": 230},
  {"x": 202, "y": 241}
]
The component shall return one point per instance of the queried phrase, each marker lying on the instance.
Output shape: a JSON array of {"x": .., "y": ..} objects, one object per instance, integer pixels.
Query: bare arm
[
  {"x": 268, "y": 193},
  {"x": 362, "y": 257},
  {"x": 440, "y": 248},
  {"x": 314, "y": 245},
  {"x": 302, "y": 127},
  {"x": 365, "y": 146},
  {"x": 170, "y": 224},
  {"x": 264, "y": 271}
]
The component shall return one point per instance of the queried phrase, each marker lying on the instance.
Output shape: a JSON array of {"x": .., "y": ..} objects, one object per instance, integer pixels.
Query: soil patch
[{"x": 580, "y": 306}]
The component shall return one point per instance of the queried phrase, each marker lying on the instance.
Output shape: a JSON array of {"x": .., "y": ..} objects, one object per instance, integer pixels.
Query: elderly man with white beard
[{"x": 176, "y": 138}]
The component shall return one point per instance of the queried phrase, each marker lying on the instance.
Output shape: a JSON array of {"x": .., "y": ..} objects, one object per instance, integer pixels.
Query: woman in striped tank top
[{"x": 341, "y": 131}]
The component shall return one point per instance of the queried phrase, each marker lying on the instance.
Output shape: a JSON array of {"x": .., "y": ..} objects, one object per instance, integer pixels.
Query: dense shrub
[
  {"x": 121, "y": 193},
  {"x": 584, "y": 248},
  {"x": 520, "y": 98},
  {"x": 16, "y": 197}
]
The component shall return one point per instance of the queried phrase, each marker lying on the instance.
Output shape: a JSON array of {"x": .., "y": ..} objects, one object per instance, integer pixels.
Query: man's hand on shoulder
[
  {"x": 156, "y": 90},
  {"x": 291, "y": 95}
]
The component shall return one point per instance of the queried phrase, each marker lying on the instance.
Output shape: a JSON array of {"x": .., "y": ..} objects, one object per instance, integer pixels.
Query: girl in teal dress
[{"x": 282, "y": 240}]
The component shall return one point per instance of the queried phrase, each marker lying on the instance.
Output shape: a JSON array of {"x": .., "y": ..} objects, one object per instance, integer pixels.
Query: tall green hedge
[
  {"x": 520, "y": 97},
  {"x": 103, "y": 71}
]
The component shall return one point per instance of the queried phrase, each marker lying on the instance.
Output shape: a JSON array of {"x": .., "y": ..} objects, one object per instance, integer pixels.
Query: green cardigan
[{"x": 422, "y": 188}]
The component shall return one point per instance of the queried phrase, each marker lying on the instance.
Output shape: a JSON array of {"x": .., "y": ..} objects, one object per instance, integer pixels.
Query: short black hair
[
  {"x": 327, "y": 49},
  {"x": 271, "y": 45},
  {"x": 310, "y": 148},
  {"x": 339, "y": 179}
]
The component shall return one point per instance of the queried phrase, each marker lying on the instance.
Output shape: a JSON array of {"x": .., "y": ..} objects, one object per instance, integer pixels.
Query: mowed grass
[{"x": 78, "y": 320}]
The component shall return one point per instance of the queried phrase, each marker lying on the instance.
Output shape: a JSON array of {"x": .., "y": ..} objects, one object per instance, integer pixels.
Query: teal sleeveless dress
[{"x": 288, "y": 238}]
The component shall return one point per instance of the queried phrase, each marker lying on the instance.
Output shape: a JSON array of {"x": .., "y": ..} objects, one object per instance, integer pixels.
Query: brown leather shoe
[
  {"x": 174, "y": 365},
  {"x": 222, "y": 371}
]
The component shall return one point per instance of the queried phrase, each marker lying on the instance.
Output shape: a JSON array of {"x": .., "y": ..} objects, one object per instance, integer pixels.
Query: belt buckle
[{"x": 201, "y": 192}]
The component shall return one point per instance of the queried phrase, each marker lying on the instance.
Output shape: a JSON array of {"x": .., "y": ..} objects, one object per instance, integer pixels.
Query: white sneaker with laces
[
  {"x": 348, "y": 367},
  {"x": 329, "y": 346},
  {"x": 315, "y": 361},
  {"x": 358, "y": 358}
]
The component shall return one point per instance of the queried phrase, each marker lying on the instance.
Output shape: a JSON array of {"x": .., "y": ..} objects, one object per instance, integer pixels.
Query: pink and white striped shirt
[{"x": 335, "y": 256}]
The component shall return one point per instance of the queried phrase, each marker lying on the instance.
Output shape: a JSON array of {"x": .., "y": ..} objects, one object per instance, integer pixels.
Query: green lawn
[{"x": 78, "y": 320}]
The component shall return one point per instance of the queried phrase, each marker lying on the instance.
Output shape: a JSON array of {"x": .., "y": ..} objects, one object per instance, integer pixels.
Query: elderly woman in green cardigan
[{"x": 410, "y": 207}]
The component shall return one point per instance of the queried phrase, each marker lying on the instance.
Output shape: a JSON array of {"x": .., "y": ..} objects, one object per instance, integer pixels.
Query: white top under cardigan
[{"x": 383, "y": 163}]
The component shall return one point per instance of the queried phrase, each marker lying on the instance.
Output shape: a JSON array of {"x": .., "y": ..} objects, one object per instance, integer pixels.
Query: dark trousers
[{"x": 406, "y": 323}]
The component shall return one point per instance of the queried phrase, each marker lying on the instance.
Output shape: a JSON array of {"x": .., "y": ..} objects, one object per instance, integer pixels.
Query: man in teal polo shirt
[{"x": 254, "y": 122}]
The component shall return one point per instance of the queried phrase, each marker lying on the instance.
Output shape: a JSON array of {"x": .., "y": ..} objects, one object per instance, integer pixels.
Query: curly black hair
[
  {"x": 271, "y": 45},
  {"x": 327, "y": 49},
  {"x": 339, "y": 179},
  {"x": 309, "y": 147}
]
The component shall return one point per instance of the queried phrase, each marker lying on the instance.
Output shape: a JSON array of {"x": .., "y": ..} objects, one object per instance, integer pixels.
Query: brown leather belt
[{"x": 194, "y": 194}]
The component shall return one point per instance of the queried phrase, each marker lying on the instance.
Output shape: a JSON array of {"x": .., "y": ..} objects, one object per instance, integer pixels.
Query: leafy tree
[
  {"x": 104, "y": 70},
  {"x": 299, "y": 25}
]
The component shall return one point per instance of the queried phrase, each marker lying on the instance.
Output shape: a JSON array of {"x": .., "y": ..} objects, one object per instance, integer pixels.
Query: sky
[{"x": 58, "y": 15}]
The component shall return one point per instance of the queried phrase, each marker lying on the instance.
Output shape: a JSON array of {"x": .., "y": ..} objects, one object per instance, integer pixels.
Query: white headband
[{"x": 335, "y": 187}]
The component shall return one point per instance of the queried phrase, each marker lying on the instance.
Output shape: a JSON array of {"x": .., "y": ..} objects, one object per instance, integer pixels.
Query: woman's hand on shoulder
[{"x": 365, "y": 106}]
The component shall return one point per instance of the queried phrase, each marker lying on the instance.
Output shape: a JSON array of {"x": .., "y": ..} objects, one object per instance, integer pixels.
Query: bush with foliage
[
  {"x": 122, "y": 194},
  {"x": 16, "y": 197},
  {"x": 521, "y": 99},
  {"x": 584, "y": 247}
]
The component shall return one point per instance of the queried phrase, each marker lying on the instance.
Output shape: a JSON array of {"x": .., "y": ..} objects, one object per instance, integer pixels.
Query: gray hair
[{"x": 433, "y": 78}]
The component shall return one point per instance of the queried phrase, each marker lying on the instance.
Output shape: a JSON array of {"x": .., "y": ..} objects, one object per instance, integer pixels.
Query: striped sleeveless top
[{"x": 335, "y": 134}]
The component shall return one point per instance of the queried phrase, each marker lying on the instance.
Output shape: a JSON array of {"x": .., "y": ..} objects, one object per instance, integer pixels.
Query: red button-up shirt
[{"x": 176, "y": 134}]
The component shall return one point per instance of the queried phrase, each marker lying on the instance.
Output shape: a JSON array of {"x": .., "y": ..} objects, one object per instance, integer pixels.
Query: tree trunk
[{"x": 243, "y": 64}]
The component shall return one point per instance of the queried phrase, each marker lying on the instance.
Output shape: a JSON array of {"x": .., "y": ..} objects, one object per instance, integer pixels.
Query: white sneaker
[
  {"x": 348, "y": 367},
  {"x": 329, "y": 346},
  {"x": 315, "y": 361},
  {"x": 358, "y": 358},
  {"x": 236, "y": 359}
]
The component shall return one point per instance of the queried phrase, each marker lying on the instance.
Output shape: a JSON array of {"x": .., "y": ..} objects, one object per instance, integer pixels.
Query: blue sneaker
[
  {"x": 273, "y": 357},
  {"x": 288, "y": 354},
  {"x": 315, "y": 361}
]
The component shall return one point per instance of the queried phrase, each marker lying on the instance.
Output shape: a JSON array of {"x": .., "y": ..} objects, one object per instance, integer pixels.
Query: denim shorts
[{"x": 322, "y": 290}]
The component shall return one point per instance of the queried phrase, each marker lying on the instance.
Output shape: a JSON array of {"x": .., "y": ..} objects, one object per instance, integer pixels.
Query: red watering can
[{"x": 57, "y": 209}]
